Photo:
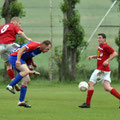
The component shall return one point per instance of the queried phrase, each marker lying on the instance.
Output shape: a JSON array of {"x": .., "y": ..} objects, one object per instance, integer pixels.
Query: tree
[
  {"x": 117, "y": 41},
  {"x": 12, "y": 8},
  {"x": 73, "y": 35}
]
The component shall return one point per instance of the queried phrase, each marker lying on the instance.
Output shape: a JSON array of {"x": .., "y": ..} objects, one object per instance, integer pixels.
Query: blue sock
[
  {"x": 16, "y": 80},
  {"x": 23, "y": 91}
]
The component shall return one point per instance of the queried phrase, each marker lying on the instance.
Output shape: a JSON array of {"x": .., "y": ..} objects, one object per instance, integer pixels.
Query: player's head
[
  {"x": 45, "y": 46},
  {"x": 16, "y": 21},
  {"x": 101, "y": 38}
]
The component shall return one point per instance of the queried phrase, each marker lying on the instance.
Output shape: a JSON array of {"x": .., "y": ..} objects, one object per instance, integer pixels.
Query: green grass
[{"x": 56, "y": 101}]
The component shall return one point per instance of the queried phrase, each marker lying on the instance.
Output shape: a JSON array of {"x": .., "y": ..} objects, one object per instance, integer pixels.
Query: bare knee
[
  {"x": 8, "y": 65},
  {"x": 108, "y": 89},
  {"x": 25, "y": 81},
  {"x": 107, "y": 86},
  {"x": 90, "y": 85}
]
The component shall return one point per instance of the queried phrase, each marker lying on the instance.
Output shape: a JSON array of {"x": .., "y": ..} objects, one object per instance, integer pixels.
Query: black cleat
[
  {"x": 23, "y": 104},
  {"x": 84, "y": 105},
  {"x": 10, "y": 88}
]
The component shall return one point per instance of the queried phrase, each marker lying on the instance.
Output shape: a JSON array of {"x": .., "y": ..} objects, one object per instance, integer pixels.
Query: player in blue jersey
[{"x": 17, "y": 60}]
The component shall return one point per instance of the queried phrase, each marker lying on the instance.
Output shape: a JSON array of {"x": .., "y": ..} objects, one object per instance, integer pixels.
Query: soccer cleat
[
  {"x": 17, "y": 87},
  {"x": 34, "y": 72},
  {"x": 23, "y": 104},
  {"x": 10, "y": 88},
  {"x": 84, "y": 105}
]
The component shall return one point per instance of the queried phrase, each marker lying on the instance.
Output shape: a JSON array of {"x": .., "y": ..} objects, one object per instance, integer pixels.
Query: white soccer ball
[{"x": 83, "y": 86}]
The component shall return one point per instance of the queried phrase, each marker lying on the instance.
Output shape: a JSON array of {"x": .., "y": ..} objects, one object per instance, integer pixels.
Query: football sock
[
  {"x": 115, "y": 93},
  {"x": 16, "y": 80},
  {"x": 23, "y": 91},
  {"x": 10, "y": 74},
  {"x": 29, "y": 64},
  {"x": 89, "y": 96}
]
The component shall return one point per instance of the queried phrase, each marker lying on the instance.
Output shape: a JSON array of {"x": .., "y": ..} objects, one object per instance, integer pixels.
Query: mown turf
[{"x": 59, "y": 102}]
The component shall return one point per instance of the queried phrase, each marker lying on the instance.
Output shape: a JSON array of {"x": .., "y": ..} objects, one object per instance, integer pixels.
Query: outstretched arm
[
  {"x": 22, "y": 34},
  {"x": 91, "y": 57}
]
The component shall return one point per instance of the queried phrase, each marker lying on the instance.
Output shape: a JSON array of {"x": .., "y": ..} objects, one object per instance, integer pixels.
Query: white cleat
[
  {"x": 10, "y": 88},
  {"x": 34, "y": 72},
  {"x": 24, "y": 104}
]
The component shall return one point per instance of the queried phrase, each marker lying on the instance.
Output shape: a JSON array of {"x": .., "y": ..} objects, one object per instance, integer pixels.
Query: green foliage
[
  {"x": 20, "y": 40},
  {"x": 64, "y": 6},
  {"x": 58, "y": 55},
  {"x": 16, "y": 9},
  {"x": 117, "y": 41},
  {"x": 75, "y": 33}
]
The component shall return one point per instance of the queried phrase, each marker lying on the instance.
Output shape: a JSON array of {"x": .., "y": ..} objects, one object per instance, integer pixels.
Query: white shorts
[
  {"x": 6, "y": 49},
  {"x": 99, "y": 75}
]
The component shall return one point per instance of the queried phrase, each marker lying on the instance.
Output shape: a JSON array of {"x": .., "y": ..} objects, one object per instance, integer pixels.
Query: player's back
[{"x": 7, "y": 33}]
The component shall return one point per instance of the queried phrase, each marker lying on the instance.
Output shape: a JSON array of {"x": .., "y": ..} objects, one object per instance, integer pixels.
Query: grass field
[
  {"x": 56, "y": 101},
  {"x": 59, "y": 101}
]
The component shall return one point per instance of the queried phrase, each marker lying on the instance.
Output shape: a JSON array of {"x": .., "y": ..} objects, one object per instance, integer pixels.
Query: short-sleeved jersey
[
  {"x": 103, "y": 53},
  {"x": 32, "y": 49},
  {"x": 8, "y": 32}
]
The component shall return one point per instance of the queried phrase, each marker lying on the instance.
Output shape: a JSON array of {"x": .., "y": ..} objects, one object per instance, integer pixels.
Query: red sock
[
  {"x": 115, "y": 93},
  {"x": 10, "y": 73},
  {"x": 89, "y": 96}
]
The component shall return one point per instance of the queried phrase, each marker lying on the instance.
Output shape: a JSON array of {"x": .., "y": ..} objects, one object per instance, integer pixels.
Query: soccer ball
[{"x": 83, "y": 86}]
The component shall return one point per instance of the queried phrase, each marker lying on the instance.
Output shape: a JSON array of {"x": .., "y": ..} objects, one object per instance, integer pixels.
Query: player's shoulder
[
  {"x": 32, "y": 43},
  {"x": 106, "y": 46}
]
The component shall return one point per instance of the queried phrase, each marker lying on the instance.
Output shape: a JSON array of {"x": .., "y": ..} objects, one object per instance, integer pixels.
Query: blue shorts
[{"x": 12, "y": 59}]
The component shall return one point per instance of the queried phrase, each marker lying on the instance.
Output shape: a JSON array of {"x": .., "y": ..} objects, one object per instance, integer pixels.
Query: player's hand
[
  {"x": 90, "y": 57},
  {"x": 34, "y": 65},
  {"x": 18, "y": 63},
  {"x": 105, "y": 63},
  {"x": 29, "y": 39}
]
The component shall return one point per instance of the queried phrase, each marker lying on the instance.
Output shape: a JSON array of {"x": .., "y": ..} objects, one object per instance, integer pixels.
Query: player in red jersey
[
  {"x": 8, "y": 34},
  {"x": 105, "y": 53}
]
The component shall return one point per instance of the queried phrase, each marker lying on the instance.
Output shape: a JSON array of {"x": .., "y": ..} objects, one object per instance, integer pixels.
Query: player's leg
[
  {"x": 107, "y": 86},
  {"x": 23, "y": 72},
  {"x": 113, "y": 91},
  {"x": 90, "y": 92},
  {"x": 23, "y": 91},
  {"x": 11, "y": 74},
  {"x": 89, "y": 95},
  {"x": 5, "y": 52},
  {"x": 29, "y": 64}
]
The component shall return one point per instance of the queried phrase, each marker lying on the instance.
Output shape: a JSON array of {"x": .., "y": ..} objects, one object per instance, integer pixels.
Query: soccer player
[
  {"x": 17, "y": 60},
  {"x": 8, "y": 34},
  {"x": 105, "y": 53}
]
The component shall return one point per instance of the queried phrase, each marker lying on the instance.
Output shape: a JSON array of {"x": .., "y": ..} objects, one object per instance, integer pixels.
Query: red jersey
[
  {"x": 8, "y": 32},
  {"x": 103, "y": 53}
]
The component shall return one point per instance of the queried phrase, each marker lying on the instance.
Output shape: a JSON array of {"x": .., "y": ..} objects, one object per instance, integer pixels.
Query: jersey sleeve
[
  {"x": 109, "y": 49},
  {"x": 31, "y": 46},
  {"x": 17, "y": 29}
]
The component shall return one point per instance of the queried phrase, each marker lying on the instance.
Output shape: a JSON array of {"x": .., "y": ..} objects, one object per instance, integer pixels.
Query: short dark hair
[
  {"x": 102, "y": 34},
  {"x": 47, "y": 42}
]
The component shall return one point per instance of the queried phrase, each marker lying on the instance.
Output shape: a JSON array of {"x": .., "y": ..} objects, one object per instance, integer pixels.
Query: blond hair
[{"x": 17, "y": 19}]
